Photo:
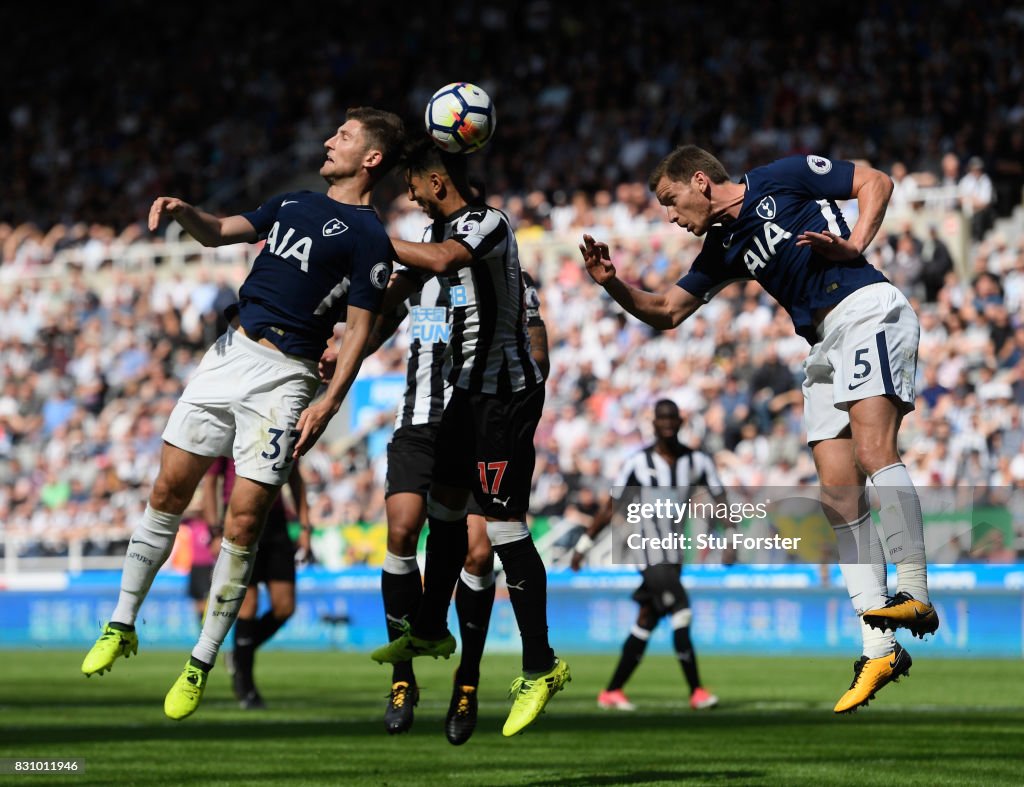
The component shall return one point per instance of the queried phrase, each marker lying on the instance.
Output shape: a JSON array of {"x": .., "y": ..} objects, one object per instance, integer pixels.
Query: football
[{"x": 460, "y": 118}]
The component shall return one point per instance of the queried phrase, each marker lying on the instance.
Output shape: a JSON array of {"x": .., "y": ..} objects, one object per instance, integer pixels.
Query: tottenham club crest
[
  {"x": 766, "y": 208},
  {"x": 334, "y": 227},
  {"x": 819, "y": 165},
  {"x": 379, "y": 275}
]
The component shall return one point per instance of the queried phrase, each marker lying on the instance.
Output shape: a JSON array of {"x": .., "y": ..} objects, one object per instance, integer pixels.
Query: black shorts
[
  {"x": 485, "y": 444},
  {"x": 411, "y": 462},
  {"x": 662, "y": 589},
  {"x": 275, "y": 558},
  {"x": 199, "y": 580}
]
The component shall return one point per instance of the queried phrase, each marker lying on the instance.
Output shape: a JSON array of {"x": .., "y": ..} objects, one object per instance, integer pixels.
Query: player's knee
[
  {"x": 283, "y": 609},
  {"x": 167, "y": 497},
  {"x": 480, "y": 559},
  {"x": 872, "y": 453},
  {"x": 403, "y": 536},
  {"x": 243, "y": 527},
  {"x": 647, "y": 618}
]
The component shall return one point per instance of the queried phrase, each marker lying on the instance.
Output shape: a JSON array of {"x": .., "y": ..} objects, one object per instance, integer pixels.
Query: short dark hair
[
  {"x": 666, "y": 403},
  {"x": 683, "y": 162},
  {"x": 422, "y": 155},
  {"x": 383, "y": 131}
]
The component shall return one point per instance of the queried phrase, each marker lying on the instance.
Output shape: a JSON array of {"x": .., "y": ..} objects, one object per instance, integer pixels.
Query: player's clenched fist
[{"x": 161, "y": 205}]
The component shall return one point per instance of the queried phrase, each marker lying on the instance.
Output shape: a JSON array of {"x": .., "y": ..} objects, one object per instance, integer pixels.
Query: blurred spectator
[
  {"x": 905, "y": 192},
  {"x": 977, "y": 197}
]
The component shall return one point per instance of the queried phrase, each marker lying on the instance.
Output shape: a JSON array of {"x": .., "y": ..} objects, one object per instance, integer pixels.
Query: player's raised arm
[
  {"x": 872, "y": 189},
  {"x": 206, "y": 228},
  {"x": 663, "y": 310}
]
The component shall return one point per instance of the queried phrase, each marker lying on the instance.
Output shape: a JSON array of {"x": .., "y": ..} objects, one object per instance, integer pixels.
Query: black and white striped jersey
[
  {"x": 489, "y": 347},
  {"x": 426, "y": 392},
  {"x": 647, "y": 477}
]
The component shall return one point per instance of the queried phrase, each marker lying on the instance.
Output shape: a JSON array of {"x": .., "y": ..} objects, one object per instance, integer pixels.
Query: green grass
[{"x": 951, "y": 722}]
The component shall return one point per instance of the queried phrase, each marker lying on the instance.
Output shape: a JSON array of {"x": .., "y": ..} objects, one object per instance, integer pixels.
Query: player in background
[
  {"x": 410, "y": 466},
  {"x": 485, "y": 437},
  {"x": 274, "y": 568},
  {"x": 205, "y": 539},
  {"x": 326, "y": 256},
  {"x": 782, "y": 227},
  {"x": 675, "y": 469}
]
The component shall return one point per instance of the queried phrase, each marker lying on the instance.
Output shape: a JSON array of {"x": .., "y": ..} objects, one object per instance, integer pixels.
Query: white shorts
[
  {"x": 244, "y": 401},
  {"x": 868, "y": 347}
]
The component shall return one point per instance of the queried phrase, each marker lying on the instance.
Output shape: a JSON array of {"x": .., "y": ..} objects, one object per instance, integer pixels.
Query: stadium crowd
[
  {"x": 934, "y": 94},
  {"x": 91, "y": 138},
  {"x": 91, "y": 372}
]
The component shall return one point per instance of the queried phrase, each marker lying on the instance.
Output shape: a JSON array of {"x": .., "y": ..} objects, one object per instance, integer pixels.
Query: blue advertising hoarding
[{"x": 779, "y": 610}]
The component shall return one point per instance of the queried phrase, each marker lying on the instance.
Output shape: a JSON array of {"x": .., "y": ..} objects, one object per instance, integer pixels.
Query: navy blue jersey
[
  {"x": 784, "y": 199},
  {"x": 320, "y": 256}
]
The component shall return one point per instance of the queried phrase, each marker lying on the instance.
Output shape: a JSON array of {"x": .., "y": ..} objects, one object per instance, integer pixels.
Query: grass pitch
[{"x": 951, "y": 722}]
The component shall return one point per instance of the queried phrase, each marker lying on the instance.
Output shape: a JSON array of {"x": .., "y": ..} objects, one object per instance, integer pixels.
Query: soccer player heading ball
[
  {"x": 326, "y": 258},
  {"x": 781, "y": 226}
]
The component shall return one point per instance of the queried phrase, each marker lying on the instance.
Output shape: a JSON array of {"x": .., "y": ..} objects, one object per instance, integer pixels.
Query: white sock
[
  {"x": 862, "y": 564},
  {"x": 230, "y": 582},
  {"x": 475, "y": 583},
  {"x": 903, "y": 523},
  {"x": 148, "y": 550},
  {"x": 400, "y": 564}
]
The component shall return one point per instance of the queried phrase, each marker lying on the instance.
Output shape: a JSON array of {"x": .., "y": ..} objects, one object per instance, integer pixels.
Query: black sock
[
  {"x": 128, "y": 627},
  {"x": 402, "y": 594},
  {"x": 527, "y": 582},
  {"x": 266, "y": 627},
  {"x": 200, "y": 664},
  {"x": 245, "y": 652},
  {"x": 474, "y": 609},
  {"x": 447, "y": 544},
  {"x": 632, "y": 651},
  {"x": 687, "y": 658}
]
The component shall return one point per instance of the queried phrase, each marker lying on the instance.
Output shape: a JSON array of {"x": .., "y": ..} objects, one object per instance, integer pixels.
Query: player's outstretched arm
[
  {"x": 206, "y": 228},
  {"x": 314, "y": 419},
  {"x": 662, "y": 310},
  {"x": 445, "y": 257}
]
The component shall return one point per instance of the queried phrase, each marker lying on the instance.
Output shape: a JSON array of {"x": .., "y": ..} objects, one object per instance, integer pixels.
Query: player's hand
[
  {"x": 328, "y": 362},
  {"x": 172, "y": 206},
  {"x": 577, "y": 561},
  {"x": 598, "y": 260},
  {"x": 828, "y": 245},
  {"x": 311, "y": 425},
  {"x": 303, "y": 550}
]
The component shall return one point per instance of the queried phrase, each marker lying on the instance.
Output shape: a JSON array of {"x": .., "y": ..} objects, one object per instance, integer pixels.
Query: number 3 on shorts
[{"x": 275, "y": 448}]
